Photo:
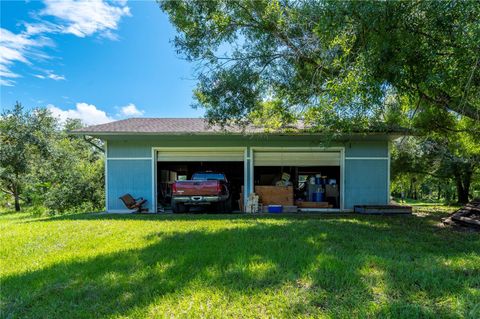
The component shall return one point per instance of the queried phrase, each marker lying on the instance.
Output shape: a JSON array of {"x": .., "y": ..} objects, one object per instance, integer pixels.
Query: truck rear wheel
[
  {"x": 225, "y": 206},
  {"x": 220, "y": 207},
  {"x": 228, "y": 205},
  {"x": 179, "y": 208}
]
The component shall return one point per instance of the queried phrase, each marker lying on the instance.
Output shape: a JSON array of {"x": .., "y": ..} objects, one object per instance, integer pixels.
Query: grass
[
  {"x": 425, "y": 202},
  {"x": 237, "y": 266}
]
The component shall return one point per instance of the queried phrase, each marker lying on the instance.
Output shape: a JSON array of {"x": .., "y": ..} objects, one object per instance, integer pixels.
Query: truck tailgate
[{"x": 198, "y": 188}]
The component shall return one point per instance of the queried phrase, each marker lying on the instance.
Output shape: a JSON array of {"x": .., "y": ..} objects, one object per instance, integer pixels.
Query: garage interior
[
  {"x": 169, "y": 172},
  {"x": 297, "y": 180}
]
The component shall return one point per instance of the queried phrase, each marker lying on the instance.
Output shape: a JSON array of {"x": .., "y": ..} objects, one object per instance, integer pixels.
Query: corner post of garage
[
  {"x": 389, "y": 150},
  {"x": 343, "y": 178},
  {"x": 154, "y": 180},
  {"x": 106, "y": 174},
  {"x": 248, "y": 174}
]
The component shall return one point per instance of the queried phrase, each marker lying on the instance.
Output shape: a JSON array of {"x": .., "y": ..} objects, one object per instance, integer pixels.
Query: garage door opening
[
  {"x": 175, "y": 166},
  {"x": 307, "y": 180}
]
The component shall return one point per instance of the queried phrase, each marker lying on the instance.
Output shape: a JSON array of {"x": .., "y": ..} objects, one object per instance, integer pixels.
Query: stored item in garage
[
  {"x": 275, "y": 208},
  {"x": 303, "y": 204},
  {"x": 275, "y": 195},
  {"x": 205, "y": 188}
]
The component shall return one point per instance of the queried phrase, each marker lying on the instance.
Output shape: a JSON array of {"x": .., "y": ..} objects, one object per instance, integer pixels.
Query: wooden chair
[{"x": 134, "y": 203}]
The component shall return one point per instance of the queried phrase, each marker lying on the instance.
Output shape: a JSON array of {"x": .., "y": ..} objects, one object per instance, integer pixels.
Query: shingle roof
[
  {"x": 172, "y": 126},
  {"x": 164, "y": 126}
]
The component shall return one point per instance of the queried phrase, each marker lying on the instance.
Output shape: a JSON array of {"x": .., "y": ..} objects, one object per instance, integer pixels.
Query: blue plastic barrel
[
  {"x": 318, "y": 196},
  {"x": 332, "y": 181}
]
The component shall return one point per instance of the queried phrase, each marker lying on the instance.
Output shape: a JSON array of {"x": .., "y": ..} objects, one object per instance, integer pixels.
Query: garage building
[{"x": 145, "y": 155}]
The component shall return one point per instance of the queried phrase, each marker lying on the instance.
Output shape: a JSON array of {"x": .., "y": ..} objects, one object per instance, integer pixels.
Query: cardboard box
[{"x": 275, "y": 195}]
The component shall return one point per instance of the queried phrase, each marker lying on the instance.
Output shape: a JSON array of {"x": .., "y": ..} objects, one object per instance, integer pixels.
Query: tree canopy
[
  {"x": 43, "y": 166},
  {"x": 344, "y": 66},
  {"x": 22, "y": 134},
  {"x": 334, "y": 64}
]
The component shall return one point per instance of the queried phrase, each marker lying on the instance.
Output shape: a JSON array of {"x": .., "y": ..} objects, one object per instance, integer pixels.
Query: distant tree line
[
  {"x": 436, "y": 166},
  {"x": 44, "y": 167}
]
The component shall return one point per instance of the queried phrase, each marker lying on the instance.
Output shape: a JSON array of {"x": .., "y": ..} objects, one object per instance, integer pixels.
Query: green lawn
[{"x": 237, "y": 266}]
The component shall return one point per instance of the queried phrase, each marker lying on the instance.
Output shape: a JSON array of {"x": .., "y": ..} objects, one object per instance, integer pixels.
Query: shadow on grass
[{"x": 337, "y": 266}]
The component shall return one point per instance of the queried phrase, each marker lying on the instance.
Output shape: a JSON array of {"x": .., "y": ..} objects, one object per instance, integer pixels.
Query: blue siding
[
  {"x": 129, "y": 176},
  {"x": 123, "y": 149},
  {"x": 366, "y": 149},
  {"x": 365, "y": 182}
]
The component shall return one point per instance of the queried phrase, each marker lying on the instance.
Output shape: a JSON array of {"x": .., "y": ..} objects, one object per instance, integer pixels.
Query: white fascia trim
[
  {"x": 366, "y": 158},
  {"x": 129, "y": 158}
]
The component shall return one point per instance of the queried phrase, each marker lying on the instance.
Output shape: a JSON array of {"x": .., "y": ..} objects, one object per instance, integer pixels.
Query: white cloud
[
  {"x": 13, "y": 48},
  {"x": 78, "y": 17},
  {"x": 6, "y": 75},
  {"x": 50, "y": 75},
  {"x": 6, "y": 82},
  {"x": 18, "y": 48},
  {"x": 84, "y": 18},
  {"x": 88, "y": 113},
  {"x": 42, "y": 27},
  {"x": 131, "y": 110},
  {"x": 56, "y": 77}
]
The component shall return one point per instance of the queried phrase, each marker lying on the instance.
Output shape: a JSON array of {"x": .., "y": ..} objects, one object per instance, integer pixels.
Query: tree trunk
[
  {"x": 463, "y": 186},
  {"x": 462, "y": 195},
  {"x": 410, "y": 189},
  {"x": 16, "y": 196}
]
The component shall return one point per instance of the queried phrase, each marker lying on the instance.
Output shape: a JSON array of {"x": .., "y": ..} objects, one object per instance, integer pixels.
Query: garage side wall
[
  {"x": 366, "y": 174},
  {"x": 129, "y": 173}
]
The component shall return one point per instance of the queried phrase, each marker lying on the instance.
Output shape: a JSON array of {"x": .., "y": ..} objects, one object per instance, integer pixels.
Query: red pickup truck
[{"x": 205, "y": 188}]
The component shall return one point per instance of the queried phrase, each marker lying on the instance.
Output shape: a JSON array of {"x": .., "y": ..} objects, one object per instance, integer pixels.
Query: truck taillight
[
  {"x": 219, "y": 187},
  {"x": 174, "y": 188}
]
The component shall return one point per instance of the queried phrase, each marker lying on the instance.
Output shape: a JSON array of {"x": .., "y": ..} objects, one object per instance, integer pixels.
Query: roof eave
[{"x": 390, "y": 135}]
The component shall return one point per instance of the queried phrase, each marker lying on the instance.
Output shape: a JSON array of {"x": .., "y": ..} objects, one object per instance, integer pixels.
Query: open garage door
[
  {"x": 296, "y": 158},
  {"x": 182, "y": 163},
  {"x": 310, "y": 179}
]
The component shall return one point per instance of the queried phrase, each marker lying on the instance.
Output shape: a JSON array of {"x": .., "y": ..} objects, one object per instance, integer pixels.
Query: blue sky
[{"x": 97, "y": 61}]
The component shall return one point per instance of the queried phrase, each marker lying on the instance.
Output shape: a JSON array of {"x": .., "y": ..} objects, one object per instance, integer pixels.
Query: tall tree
[
  {"x": 22, "y": 135},
  {"x": 75, "y": 175},
  {"x": 447, "y": 152},
  {"x": 330, "y": 61}
]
